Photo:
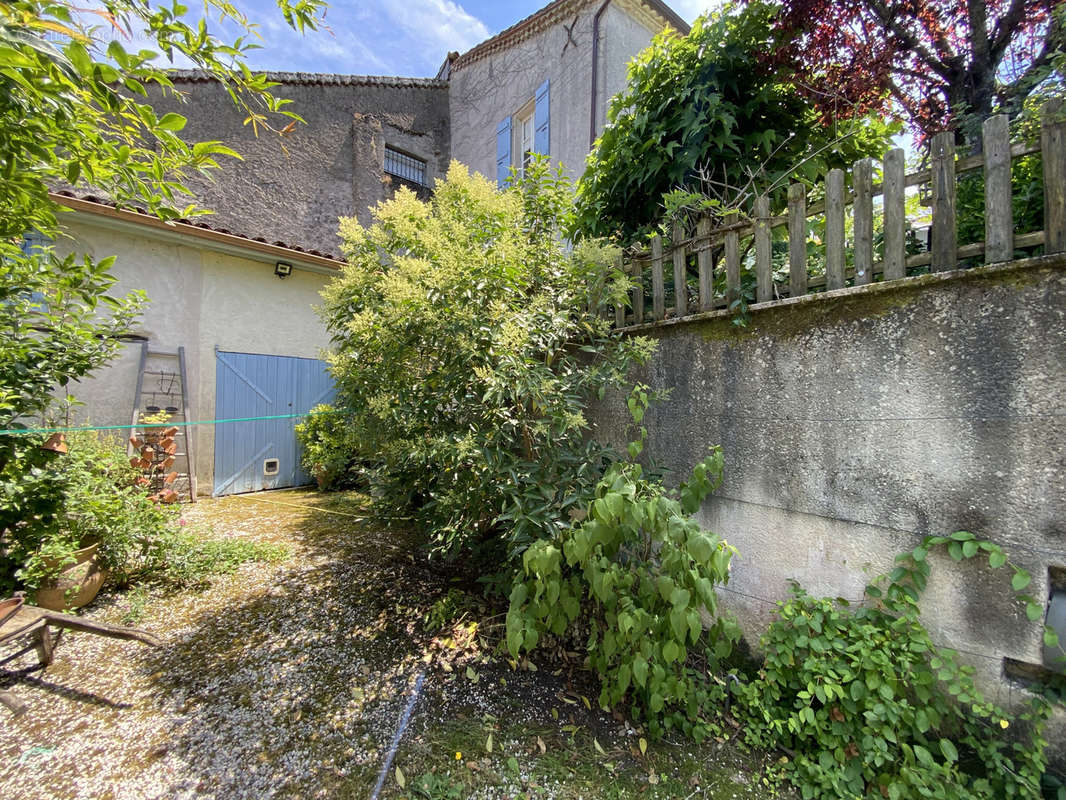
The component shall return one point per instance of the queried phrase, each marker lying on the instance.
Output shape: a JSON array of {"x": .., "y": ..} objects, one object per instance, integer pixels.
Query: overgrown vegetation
[
  {"x": 468, "y": 345},
  {"x": 468, "y": 340},
  {"x": 705, "y": 113},
  {"x": 868, "y": 706},
  {"x": 639, "y": 574},
  {"x": 92, "y": 496}
]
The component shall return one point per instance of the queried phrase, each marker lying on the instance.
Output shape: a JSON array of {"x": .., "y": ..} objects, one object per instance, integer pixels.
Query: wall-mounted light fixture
[{"x": 283, "y": 269}]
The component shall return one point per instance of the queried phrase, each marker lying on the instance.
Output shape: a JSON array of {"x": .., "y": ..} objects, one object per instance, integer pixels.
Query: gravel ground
[{"x": 281, "y": 680}]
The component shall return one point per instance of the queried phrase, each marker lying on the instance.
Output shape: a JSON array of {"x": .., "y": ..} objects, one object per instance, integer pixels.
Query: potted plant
[{"x": 100, "y": 523}]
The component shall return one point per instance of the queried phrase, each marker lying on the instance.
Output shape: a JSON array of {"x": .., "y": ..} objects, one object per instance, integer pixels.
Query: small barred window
[{"x": 404, "y": 166}]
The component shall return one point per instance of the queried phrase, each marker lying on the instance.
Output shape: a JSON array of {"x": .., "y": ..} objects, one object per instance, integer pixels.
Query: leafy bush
[
  {"x": 467, "y": 341},
  {"x": 91, "y": 495},
  {"x": 869, "y": 707},
  {"x": 329, "y": 452},
  {"x": 640, "y": 573},
  {"x": 708, "y": 102},
  {"x": 88, "y": 495}
]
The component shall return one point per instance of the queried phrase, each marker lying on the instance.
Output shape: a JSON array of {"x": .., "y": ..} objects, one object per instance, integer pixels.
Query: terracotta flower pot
[{"x": 77, "y": 583}]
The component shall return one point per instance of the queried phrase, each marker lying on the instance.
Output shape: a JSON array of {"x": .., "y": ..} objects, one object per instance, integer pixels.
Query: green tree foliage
[
  {"x": 707, "y": 103},
  {"x": 73, "y": 110},
  {"x": 468, "y": 340}
]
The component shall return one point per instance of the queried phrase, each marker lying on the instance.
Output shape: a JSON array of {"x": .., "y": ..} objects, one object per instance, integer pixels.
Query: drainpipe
[{"x": 595, "y": 64}]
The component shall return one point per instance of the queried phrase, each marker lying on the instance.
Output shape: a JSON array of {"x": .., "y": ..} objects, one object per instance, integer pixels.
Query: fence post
[
  {"x": 999, "y": 224},
  {"x": 797, "y": 240},
  {"x": 895, "y": 215},
  {"x": 680, "y": 270},
  {"x": 763, "y": 268},
  {"x": 658, "y": 290},
  {"x": 834, "y": 229},
  {"x": 638, "y": 291},
  {"x": 862, "y": 174},
  {"x": 944, "y": 244},
  {"x": 619, "y": 308},
  {"x": 706, "y": 264},
  {"x": 1053, "y": 150},
  {"x": 732, "y": 261}
]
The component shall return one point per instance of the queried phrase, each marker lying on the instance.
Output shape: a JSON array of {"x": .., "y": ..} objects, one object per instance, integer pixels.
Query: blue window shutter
[
  {"x": 541, "y": 139},
  {"x": 503, "y": 152}
]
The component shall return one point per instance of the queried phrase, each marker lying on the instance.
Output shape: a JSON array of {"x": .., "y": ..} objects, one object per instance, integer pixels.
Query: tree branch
[
  {"x": 1012, "y": 95},
  {"x": 890, "y": 22},
  {"x": 1005, "y": 29}
]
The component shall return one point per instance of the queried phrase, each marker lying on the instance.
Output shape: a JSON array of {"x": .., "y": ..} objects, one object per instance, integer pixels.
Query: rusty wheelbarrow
[{"x": 18, "y": 619}]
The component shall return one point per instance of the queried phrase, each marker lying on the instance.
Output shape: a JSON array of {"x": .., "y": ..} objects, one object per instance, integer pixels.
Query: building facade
[{"x": 236, "y": 291}]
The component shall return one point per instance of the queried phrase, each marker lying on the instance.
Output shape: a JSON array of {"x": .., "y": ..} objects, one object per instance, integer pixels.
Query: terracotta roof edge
[{"x": 316, "y": 78}]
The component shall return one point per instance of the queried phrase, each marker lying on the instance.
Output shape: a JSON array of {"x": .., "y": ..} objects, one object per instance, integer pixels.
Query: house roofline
[
  {"x": 181, "y": 231},
  {"x": 544, "y": 18},
  {"x": 317, "y": 79}
]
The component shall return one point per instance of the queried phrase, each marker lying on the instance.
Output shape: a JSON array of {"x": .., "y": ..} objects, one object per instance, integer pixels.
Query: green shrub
[
  {"x": 639, "y": 573},
  {"x": 95, "y": 497},
  {"x": 468, "y": 340},
  {"x": 706, "y": 112},
  {"x": 329, "y": 452},
  {"x": 88, "y": 495},
  {"x": 869, "y": 707}
]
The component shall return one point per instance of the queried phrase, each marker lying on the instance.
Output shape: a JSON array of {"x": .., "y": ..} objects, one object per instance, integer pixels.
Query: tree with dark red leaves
[{"x": 941, "y": 64}]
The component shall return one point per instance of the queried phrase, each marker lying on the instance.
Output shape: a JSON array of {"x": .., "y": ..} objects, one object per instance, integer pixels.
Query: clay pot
[
  {"x": 76, "y": 585},
  {"x": 57, "y": 443}
]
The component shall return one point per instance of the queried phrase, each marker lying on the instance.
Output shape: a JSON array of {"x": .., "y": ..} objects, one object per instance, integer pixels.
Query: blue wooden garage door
[{"x": 263, "y": 454}]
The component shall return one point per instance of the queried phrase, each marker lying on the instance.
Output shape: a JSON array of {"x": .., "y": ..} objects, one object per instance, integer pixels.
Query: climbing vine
[{"x": 866, "y": 705}]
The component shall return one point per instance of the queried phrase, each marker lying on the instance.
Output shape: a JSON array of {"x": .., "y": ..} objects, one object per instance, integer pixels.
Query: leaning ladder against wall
[{"x": 165, "y": 391}]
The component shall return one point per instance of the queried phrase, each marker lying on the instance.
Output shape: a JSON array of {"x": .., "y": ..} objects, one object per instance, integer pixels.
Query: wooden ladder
[{"x": 166, "y": 390}]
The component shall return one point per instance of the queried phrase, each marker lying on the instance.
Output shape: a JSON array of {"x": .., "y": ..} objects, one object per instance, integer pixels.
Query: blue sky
[{"x": 390, "y": 37}]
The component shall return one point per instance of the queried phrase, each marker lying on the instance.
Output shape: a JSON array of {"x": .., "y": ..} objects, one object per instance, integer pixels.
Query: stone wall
[
  {"x": 293, "y": 189},
  {"x": 856, "y": 422}
]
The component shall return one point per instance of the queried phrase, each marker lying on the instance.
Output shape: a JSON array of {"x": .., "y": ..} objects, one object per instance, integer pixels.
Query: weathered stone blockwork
[
  {"x": 857, "y": 421},
  {"x": 292, "y": 189}
]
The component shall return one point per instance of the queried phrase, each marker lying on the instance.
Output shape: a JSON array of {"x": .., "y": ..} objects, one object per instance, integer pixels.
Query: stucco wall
[
  {"x": 200, "y": 300},
  {"x": 293, "y": 189},
  {"x": 856, "y": 422},
  {"x": 626, "y": 29},
  {"x": 495, "y": 87}
]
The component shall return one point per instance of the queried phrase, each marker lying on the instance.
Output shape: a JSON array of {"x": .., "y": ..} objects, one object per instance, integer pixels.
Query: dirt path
[{"x": 289, "y": 680}]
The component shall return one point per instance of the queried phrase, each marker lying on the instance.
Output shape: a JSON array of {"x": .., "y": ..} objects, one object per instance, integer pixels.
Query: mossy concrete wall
[{"x": 858, "y": 421}]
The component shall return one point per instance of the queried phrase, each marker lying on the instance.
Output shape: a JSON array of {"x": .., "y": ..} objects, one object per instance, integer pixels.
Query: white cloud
[
  {"x": 409, "y": 38},
  {"x": 690, "y": 9}
]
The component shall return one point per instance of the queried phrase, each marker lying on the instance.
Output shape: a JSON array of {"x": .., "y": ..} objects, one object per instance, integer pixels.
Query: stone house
[{"x": 236, "y": 290}]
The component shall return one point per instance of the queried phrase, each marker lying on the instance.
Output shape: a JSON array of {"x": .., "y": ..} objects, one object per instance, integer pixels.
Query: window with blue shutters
[
  {"x": 34, "y": 242},
  {"x": 541, "y": 138},
  {"x": 530, "y": 129},
  {"x": 503, "y": 152}
]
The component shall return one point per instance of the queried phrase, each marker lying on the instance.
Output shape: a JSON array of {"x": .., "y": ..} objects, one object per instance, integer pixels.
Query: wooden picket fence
[{"x": 716, "y": 244}]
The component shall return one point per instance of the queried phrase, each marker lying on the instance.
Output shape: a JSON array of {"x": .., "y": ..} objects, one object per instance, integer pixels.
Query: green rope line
[{"x": 24, "y": 431}]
